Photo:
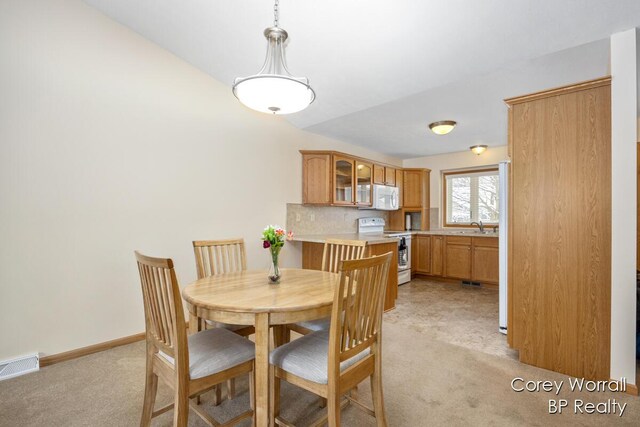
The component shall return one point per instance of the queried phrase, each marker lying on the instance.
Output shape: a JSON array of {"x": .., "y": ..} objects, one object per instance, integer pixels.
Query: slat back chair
[
  {"x": 336, "y": 250},
  {"x": 164, "y": 319},
  {"x": 166, "y": 333},
  {"x": 354, "y": 339},
  {"x": 215, "y": 257}
]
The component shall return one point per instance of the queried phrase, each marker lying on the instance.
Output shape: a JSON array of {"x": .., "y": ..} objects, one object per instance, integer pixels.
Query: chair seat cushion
[
  {"x": 215, "y": 350},
  {"x": 307, "y": 357},
  {"x": 316, "y": 325}
]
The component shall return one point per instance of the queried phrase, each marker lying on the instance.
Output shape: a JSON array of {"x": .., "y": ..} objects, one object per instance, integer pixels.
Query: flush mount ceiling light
[
  {"x": 478, "y": 149},
  {"x": 442, "y": 127},
  {"x": 274, "y": 89}
]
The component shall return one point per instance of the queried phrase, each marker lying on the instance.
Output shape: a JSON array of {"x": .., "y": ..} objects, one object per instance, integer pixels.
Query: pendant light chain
[{"x": 275, "y": 13}]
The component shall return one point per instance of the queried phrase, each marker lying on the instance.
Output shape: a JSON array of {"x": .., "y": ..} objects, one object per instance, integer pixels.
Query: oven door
[{"x": 404, "y": 260}]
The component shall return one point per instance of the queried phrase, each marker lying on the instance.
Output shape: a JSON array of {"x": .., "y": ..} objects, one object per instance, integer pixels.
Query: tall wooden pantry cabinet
[{"x": 559, "y": 307}]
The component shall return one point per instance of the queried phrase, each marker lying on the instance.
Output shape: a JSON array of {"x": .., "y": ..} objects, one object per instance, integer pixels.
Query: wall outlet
[
  {"x": 312, "y": 217},
  {"x": 297, "y": 217}
]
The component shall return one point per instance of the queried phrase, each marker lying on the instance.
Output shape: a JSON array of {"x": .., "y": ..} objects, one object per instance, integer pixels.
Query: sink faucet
[{"x": 480, "y": 225}]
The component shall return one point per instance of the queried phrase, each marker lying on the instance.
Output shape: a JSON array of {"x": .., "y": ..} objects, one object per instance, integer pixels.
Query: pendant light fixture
[
  {"x": 273, "y": 89},
  {"x": 442, "y": 127}
]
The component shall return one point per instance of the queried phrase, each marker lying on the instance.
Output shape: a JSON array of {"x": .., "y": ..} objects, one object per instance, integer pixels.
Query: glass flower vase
[{"x": 274, "y": 270}]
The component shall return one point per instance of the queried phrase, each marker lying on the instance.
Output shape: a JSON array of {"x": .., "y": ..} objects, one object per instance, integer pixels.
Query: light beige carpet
[{"x": 444, "y": 364}]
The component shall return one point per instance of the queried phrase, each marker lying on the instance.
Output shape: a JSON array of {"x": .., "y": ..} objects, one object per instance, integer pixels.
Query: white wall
[
  {"x": 452, "y": 161},
  {"x": 110, "y": 144},
  {"x": 624, "y": 137}
]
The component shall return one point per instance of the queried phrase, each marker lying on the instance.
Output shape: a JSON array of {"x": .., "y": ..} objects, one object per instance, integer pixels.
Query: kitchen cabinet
[
  {"x": 559, "y": 294},
  {"x": 423, "y": 254},
  {"x": 437, "y": 255},
  {"x": 414, "y": 255},
  {"x": 378, "y": 174},
  {"x": 485, "y": 260},
  {"x": 384, "y": 175},
  {"x": 331, "y": 178},
  {"x": 457, "y": 257},
  {"x": 399, "y": 184},
  {"x": 413, "y": 189},
  {"x": 343, "y": 193},
  {"x": 363, "y": 180},
  {"x": 390, "y": 176},
  {"x": 312, "y": 260},
  {"x": 316, "y": 179}
]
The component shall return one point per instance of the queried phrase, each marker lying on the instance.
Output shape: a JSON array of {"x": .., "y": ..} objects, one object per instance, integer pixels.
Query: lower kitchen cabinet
[
  {"x": 437, "y": 255},
  {"x": 458, "y": 258},
  {"x": 423, "y": 254},
  {"x": 485, "y": 260}
]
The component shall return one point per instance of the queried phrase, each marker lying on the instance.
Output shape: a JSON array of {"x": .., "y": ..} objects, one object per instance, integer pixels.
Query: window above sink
[{"x": 470, "y": 196}]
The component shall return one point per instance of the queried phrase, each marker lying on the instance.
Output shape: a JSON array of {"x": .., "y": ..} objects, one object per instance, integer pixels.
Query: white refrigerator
[{"x": 503, "y": 168}]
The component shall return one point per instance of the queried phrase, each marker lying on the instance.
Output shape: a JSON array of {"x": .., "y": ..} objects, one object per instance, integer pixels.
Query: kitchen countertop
[
  {"x": 469, "y": 233},
  {"x": 371, "y": 238},
  {"x": 376, "y": 238}
]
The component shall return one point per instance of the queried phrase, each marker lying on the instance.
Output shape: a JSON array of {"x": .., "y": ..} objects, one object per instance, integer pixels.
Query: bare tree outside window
[{"x": 472, "y": 196}]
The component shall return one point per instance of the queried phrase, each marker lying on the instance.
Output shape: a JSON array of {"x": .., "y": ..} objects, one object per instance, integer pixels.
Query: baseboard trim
[
  {"x": 84, "y": 351},
  {"x": 632, "y": 389}
]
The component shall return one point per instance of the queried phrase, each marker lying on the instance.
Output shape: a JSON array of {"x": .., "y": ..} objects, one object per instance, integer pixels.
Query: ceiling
[{"x": 383, "y": 70}]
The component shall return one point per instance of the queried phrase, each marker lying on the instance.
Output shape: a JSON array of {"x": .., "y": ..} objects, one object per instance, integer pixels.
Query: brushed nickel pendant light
[{"x": 273, "y": 89}]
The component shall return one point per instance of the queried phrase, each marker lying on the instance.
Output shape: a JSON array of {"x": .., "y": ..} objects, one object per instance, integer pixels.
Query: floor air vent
[{"x": 19, "y": 366}]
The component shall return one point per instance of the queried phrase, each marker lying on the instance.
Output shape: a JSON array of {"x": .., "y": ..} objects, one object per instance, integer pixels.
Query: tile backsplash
[
  {"x": 302, "y": 219},
  {"x": 434, "y": 218}
]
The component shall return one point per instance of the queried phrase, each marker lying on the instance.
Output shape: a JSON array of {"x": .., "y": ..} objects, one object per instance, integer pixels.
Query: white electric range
[{"x": 376, "y": 226}]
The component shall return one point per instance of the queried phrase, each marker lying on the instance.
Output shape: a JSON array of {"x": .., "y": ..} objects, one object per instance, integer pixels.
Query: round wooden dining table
[{"x": 246, "y": 298}]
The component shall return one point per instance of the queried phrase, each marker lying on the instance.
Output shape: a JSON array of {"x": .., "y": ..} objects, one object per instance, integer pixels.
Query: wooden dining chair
[
  {"x": 215, "y": 257},
  {"x": 190, "y": 366},
  {"x": 330, "y": 363},
  {"x": 334, "y": 252}
]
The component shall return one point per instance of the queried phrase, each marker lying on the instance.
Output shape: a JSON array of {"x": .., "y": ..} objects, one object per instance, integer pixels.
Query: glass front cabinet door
[
  {"x": 343, "y": 193},
  {"x": 364, "y": 178}
]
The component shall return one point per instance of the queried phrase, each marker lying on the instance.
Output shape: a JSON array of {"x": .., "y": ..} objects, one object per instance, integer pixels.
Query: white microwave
[{"x": 385, "y": 197}]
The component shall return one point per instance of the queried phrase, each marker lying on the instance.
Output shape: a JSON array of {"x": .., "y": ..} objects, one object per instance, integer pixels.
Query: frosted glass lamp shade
[
  {"x": 274, "y": 94},
  {"x": 442, "y": 127}
]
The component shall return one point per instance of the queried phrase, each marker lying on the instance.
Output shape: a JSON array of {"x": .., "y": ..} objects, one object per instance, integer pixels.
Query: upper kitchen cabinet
[
  {"x": 416, "y": 188},
  {"x": 399, "y": 184},
  {"x": 364, "y": 175},
  {"x": 390, "y": 176},
  {"x": 343, "y": 182},
  {"x": 338, "y": 179},
  {"x": 316, "y": 178},
  {"x": 384, "y": 175},
  {"x": 378, "y": 174}
]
